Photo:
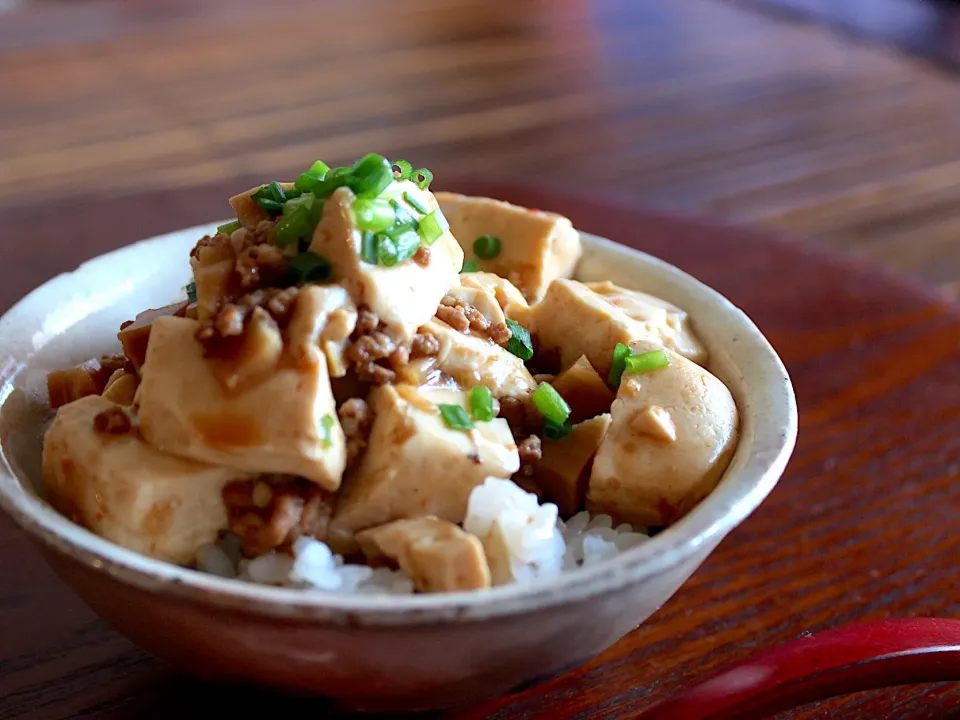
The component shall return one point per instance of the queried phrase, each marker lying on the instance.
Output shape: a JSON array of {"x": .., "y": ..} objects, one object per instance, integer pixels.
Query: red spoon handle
[{"x": 851, "y": 658}]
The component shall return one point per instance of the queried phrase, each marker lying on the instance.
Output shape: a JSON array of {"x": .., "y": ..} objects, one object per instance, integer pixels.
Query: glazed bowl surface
[{"x": 370, "y": 652}]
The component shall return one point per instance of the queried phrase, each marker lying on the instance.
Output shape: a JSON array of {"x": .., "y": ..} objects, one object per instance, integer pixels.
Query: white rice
[{"x": 537, "y": 544}]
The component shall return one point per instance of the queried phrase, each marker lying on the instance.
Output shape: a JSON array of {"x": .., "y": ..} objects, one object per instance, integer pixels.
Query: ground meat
[
  {"x": 422, "y": 256},
  {"x": 209, "y": 241},
  {"x": 464, "y": 317},
  {"x": 530, "y": 453},
  {"x": 424, "y": 345},
  {"x": 367, "y": 321},
  {"x": 270, "y": 513},
  {"x": 500, "y": 333},
  {"x": 522, "y": 417},
  {"x": 454, "y": 316},
  {"x": 112, "y": 421},
  {"x": 356, "y": 419},
  {"x": 260, "y": 265},
  {"x": 232, "y": 319},
  {"x": 370, "y": 347},
  {"x": 399, "y": 357}
]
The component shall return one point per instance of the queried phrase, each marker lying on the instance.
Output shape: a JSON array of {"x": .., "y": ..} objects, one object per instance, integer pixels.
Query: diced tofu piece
[
  {"x": 472, "y": 360},
  {"x": 536, "y": 246},
  {"x": 213, "y": 268},
  {"x": 276, "y": 426},
  {"x": 585, "y": 391},
  {"x": 65, "y": 386},
  {"x": 482, "y": 299},
  {"x": 254, "y": 357},
  {"x": 127, "y": 492},
  {"x": 121, "y": 388},
  {"x": 576, "y": 320},
  {"x": 415, "y": 465},
  {"x": 436, "y": 554},
  {"x": 404, "y": 296},
  {"x": 672, "y": 324},
  {"x": 135, "y": 335},
  {"x": 673, "y": 433},
  {"x": 563, "y": 470},
  {"x": 510, "y": 299},
  {"x": 248, "y": 212}
]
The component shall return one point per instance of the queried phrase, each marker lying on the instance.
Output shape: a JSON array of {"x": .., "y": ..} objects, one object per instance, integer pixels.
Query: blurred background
[{"x": 833, "y": 120}]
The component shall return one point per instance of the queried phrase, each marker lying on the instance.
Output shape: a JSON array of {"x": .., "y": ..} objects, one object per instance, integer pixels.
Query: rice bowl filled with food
[{"x": 370, "y": 388}]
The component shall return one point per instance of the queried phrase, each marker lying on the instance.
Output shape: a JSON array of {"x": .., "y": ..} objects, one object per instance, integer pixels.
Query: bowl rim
[{"x": 729, "y": 504}]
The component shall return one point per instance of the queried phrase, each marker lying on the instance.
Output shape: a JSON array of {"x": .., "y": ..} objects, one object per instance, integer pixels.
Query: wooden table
[{"x": 122, "y": 119}]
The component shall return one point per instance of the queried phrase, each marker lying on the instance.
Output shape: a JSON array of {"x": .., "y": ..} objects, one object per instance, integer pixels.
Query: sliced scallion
[
  {"x": 326, "y": 430},
  {"x": 520, "y": 343},
  {"x": 370, "y": 175},
  {"x": 550, "y": 404},
  {"x": 404, "y": 218},
  {"x": 300, "y": 218},
  {"x": 422, "y": 178},
  {"x": 645, "y": 362},
  {"x": 455, "y": 417},
  {"x": 309, "y": 267},
  {"x": 414, "y": 203},
  {"x": 432, "y": 227},
  {"x": 368, "y": 247},
  {"x": 619, "y": 363},
  {"x": 486, "y": 247},
  {"x": 555, "y": 431},
  {"x": 407, "y": 242},
  {"x": 481, "y": 404},
  {"x": 270, "y": 198},
  {"x": 373, "y": 214},
  {"x": 469, "y": 266},
  {"x": 402, "y": 170},
  {"x": 387, "y": 252},
  {"x": 228, "y": 228}
]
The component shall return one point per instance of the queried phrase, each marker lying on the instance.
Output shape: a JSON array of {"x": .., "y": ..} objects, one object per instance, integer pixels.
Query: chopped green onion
[
  {"x": 455, "y": 417},
  {"x": 387, "y": 252},
  {"x": 519, "y": 343},
  {"x": 368, "y": 247},
  {"x": 407, "y": 242},
  {"x": 333, "y": 180},
  {"x": 432, "y": 227},
  {"x": 556, "y": 431},
  {"x": 486, "y": 247},
  {"x": 402, "y": 170},
  {"x": 469, "y": 266},
  {"x": 404, "y": 218},
  {"x": 481, "y": 404},
  {"x": 306, "y": 182},
  {"x": 550, "y": 404},
  {"x": 326, "y": 430},
  {"x": 300, "y": 218},
  {"x": 271, "y": 207},
  {"x": 371, "y": 175},
  {"x": 310, "y": 267},
  {"x": 645, "y": 362},
  {"x": 228, "y": 228},
  {"x": 373, "y": 215},
  {"x": 270, "y": 198},
  {"x": 422, "y": 178},
  {"x": 619, "y": 363},
  {"x": 414, "y": 203},
  {"x": 191, "y": 290},
  {"x": 318, "y": 169}
]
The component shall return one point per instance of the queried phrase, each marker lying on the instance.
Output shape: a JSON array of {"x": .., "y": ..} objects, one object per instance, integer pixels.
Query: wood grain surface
[
  {"x": 124, "y": 118},
  {"x": 862, "y": 525}
]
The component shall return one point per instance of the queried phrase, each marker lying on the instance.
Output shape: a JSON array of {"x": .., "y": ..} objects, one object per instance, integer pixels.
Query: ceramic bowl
[{"x": 375, "y": 653}]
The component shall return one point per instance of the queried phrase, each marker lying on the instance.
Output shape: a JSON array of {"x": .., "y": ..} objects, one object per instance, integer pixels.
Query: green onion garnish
[
  {"x": 548, "y": 401},
  {"x": 402, "y": 170},
  {"x": 334, "y": 179},
  {"x": 387, "y": 252},
  {"x": 270, "y": 198},
  {"x": 191, "y": 290},
  {"x": 312, "y": 177},
  {"x": 481, "y": 404},
  {"x": 414, "y": 203},
  {"x": 555, "y": 431},
  {"x": 309, "y": 267},
  {"x": 368, "y": 247},
  {"x": 422, "y": 178},
  {"x": 404, "y": 218},
  {"x": 432, "y": 227},
  {"x": 373, "y": 215},
  {"x": 326, "y": 430},
  {"x": 486, "y": 247},
  {"x": 519, "y": 343},
  {"x": 469, "y": 266},
  {"x": 645, "y": 362},
  {"x": 318, "y": 169},
  {"x": 370, "y": 175},
  {"x": 300, "y": 218},
  {"x": 620, "y": 355},
  {"x": 228, "y": 228},
  {"x": 455, "y": 417},
  {"x": 407, "y": 242}
]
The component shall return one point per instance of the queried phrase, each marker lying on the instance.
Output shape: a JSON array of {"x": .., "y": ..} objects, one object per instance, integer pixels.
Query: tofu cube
[
  {"x": 563, "y": 471},
  {"x": 587, "y": 394},
  {"x": 274, "y": 426},
  {"x": 124, "y": 490},
  {"x": 512, "y": 302},
  {"x": 536, "y": 246},
  {"x": 415, "y": 465},
  {"x": 673, "y": 433}
]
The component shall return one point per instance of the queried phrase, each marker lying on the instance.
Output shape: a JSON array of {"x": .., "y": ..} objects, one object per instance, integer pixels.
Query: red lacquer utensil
[{"x": 848, "y": 659}]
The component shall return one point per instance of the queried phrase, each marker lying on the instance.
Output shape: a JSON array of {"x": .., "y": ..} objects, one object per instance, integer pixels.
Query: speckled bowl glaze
[{"x": 417, "y": 652}]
